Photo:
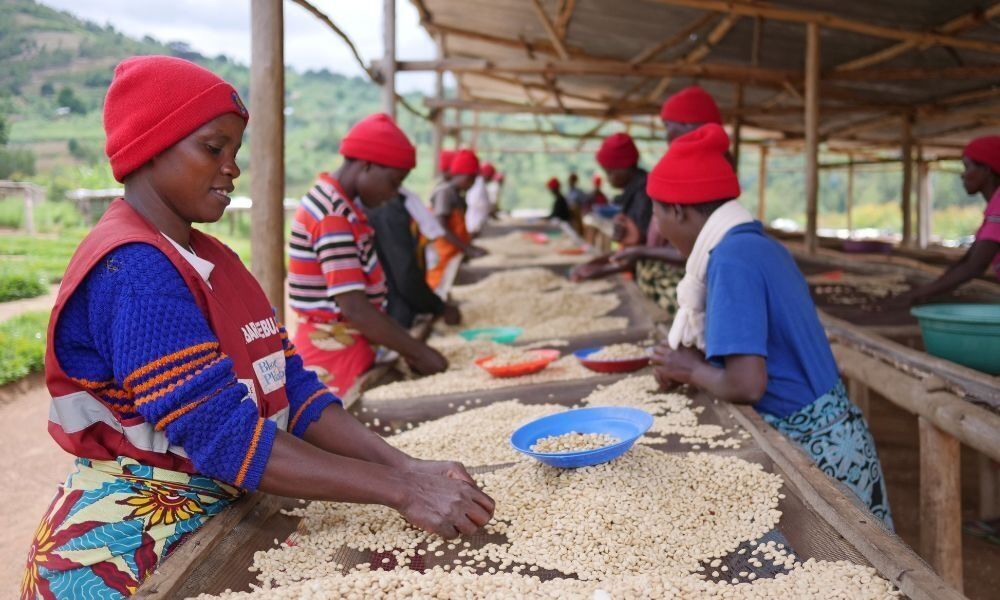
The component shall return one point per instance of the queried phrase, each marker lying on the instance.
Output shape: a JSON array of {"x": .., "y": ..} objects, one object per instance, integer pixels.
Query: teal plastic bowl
[
  {"x": 500, "y": 335},
  {"x": 967, "y": 334}
]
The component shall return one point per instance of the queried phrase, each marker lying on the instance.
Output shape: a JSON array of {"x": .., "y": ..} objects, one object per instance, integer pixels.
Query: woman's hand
[
  {"x": 441, "y": 468},
  {"x": 626, "y": 232},
  {"x": 628, "y": 256},
  {"x": 444, "y": 505},
  {"x": 675, "y": 365},
  {"x": 428, "y": 361},
  {"x": 477, "y": 252},
  {"x": 588, "y": 269},
  {"x": 451, "y": 315}
]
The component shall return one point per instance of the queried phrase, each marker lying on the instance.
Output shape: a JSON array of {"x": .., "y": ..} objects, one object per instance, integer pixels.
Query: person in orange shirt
[{"x": 448, "y": 204}]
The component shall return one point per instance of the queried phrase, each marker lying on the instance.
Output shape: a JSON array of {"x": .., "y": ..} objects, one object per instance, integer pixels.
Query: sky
[{"x": 215, "y": 27}]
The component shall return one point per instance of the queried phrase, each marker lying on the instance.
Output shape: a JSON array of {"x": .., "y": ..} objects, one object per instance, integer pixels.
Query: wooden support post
[
  {"x": 941, "y": 502},
  {"x": 849, "y": 200},
  {"x": 762, "y": 185},
  {"x": 29, "y": 209},
  {"x": 924, "y": 201},
  {"x": 389, "y": 57},
  {"x": 437, "y": 132},
  {"x": 989, "y": 488},
  {"x": 905, "y": 204},
  {"x": 738, "y": 128},
  {"x": 858, "y": 392},
  {"x": 267, "y": 150},
  {"x": 812, "y": 134}
]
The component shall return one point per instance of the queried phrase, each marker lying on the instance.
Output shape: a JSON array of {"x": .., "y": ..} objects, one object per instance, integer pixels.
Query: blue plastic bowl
[
  {"x": 968, "y": 334},
  {"x": 500, "y": 335},
  {"x": 607, "y": 211},
  {"x": 627, "y": 424}
]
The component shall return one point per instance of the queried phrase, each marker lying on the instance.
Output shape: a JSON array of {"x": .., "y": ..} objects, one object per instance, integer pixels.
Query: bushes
[
  {"x": 22, "y": 345},
  {"x": 15, "y": 286}
]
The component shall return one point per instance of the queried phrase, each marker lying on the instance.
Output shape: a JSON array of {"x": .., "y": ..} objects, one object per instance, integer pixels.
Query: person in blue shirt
[{"x": 747, "y": 330}]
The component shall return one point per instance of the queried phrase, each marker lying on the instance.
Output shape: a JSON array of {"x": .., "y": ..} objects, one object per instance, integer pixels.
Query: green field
[{"x": 22, "y": 345}]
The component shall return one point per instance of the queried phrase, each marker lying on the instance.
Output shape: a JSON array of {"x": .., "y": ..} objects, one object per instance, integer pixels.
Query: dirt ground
[{"x": 31, "y": 466}]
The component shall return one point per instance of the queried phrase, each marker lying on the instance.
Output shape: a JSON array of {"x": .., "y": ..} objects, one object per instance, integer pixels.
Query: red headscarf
[
  {"x": 444, "y": 160},
  {"x": 553, "y": 184},
  {"x": 487, "y": 170}
]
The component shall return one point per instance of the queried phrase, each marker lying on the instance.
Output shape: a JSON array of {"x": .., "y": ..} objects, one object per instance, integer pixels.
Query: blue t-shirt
[{"x": 758, "y": 303}]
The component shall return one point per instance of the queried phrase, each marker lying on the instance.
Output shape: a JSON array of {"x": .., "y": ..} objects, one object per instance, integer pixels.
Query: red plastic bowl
[
  {"x": 572, "y": 251},
  {"x": 538, "y": 238},
  {"x": 609, "y": 366},
  {"x": 542, "y": 359}
]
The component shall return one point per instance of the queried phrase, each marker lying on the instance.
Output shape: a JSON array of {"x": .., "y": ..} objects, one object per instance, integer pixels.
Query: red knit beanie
[
  {"x": 465, "y": 163},
  {"x": 377, "y": 139},
  {"x": 985, "y": 150},
  {"x": 597, "y": 181},
  {"x": 444, "y": 160},
  {"x": 553, "y": 184},
  {"x": 691, "y": 105},
  {"x": 695, "y": 169},
  {"x": 488, "y": 170},
  {"x": 156, "y": 101},
  {"x": 618, "y": 151}
]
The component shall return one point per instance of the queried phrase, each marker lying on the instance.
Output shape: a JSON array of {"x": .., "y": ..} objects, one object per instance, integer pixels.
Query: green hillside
[{"x": 55, "y": 69}]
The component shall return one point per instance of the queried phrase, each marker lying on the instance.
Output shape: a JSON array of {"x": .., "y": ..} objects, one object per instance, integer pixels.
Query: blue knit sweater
[{"x": 132, "y": 334}]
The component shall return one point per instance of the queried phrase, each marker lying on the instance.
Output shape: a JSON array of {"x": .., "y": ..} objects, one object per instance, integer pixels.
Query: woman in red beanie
[
  {"x": 747, "y": 330},
  {"x": 336, "y": 284},
  {"x": 171, "y": 380},
  {"x": 619, "y": 157},
  {"x": 981, "y": 159},
  {"x": 448, "y": 204},
  {"x": 560, "y": 207},
  {"x": 688, "y": 110}
]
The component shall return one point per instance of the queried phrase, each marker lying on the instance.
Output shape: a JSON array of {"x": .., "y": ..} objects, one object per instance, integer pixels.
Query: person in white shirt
[{"x": 478, "y": 200}]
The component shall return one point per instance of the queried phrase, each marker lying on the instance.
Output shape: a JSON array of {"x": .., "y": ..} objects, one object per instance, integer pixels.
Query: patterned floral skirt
[
  {"x": 111, "y": 523},
  {"x": 833, "y": 432},
  {"x": 658, "y": 281}
]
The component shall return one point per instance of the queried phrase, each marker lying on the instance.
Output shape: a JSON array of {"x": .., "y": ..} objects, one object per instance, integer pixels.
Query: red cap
[
  {"x": 155, "y": 102},
  {"x": 985, "y": 150},
  {"x": 465, "y": 163},
  {"x": 553, "y": 184},
  {"x": 597, "y": 181},
  {"x": 444, "y": 160},
  {"x": 487, "y": 170},
  {"x": 691, "y": 105},
  {"x": 695, "y": 169},
  {"x": 377, "y": 139},
  {"x": 499, "y": 177},
  {"x": 618, "y": 151}
]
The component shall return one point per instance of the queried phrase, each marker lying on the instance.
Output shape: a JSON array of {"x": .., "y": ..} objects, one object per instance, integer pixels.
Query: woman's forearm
[
  {"x": 337, "y": 431},
  {"x": 298, "y": 469},
  {"x": 742, "y": 381},
  {"x": 376, "y": 327}
]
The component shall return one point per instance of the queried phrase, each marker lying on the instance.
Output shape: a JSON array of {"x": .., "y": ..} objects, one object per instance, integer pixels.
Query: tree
[
  {"x": 48, "y": 89},
  {"x": 68, "y": 99}
]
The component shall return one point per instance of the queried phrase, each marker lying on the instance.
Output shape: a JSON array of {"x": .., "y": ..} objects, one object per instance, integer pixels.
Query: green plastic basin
[{"x": 968, "y": 334}]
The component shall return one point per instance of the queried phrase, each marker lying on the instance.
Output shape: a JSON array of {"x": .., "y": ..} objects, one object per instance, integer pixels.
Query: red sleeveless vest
[{"x": 237, "y": 311}]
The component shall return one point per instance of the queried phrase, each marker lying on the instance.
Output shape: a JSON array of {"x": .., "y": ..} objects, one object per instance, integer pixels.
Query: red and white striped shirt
[{"x": 331, "y": 251}]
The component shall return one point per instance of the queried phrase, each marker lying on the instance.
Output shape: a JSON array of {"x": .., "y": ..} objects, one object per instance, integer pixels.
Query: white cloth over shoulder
[
  {"x": 688, "y": 328},
  {"x": 479, "y": 206},
  {"x": 428, "y": 224}
]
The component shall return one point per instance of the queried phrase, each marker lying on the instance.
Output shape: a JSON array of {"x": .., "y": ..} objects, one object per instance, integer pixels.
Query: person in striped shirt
[{"x": 337, "y": 286}]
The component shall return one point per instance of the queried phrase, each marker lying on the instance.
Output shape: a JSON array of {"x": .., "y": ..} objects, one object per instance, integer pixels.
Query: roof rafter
[
  {"x": 550, "y": 29},
  {"x": 831, "y": 21}
]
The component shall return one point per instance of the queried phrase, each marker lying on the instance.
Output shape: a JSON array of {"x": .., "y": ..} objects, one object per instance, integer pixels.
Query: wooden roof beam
[
  {"x": 698, "y": 52},
  {"x": 831, "y": 21},
  {"x": 954, "y": 26},
  {"x": 678, "y": 38},
  {"x": 565, "y": 15},
  {"x": 550, "y": 29},
  {"x": 605, "y": 67}
]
